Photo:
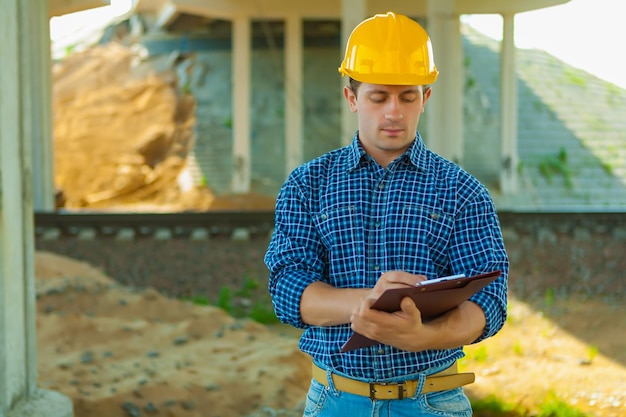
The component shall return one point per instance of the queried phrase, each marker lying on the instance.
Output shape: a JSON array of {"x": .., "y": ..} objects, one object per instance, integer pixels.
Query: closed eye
[
  {"x": 381, "y": 98},
  {"x": 378, "y": 98}
]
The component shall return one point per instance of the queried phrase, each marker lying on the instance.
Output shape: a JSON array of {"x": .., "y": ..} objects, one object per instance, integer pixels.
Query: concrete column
[
  {"x": 294, "y": 141},
  {"x": 445, "y": 108},
  {"x": 508, "y": 108},
  {"x": 37, "y": 44},
  {"x": 20, "y": 110},
  {"x": 242, "y": 49},
  {"x": 353, "y": 12}
]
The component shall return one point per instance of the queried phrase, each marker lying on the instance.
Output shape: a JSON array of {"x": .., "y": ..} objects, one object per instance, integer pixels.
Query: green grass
[
  {"x": 549, "y": 297},
  {"x": 575, "y": 77},
  {"x": 491, "y": 405},
  {"x": 224, "y": 300},
  {"x": 480, "y": 354},
  {"x": 552, "y": 406},
  {"x": 251, "y": 300},
  {"x": 552, "y": 165},
  {"x": 592, "y": 352},
  {"x": 201, "y": 300}
]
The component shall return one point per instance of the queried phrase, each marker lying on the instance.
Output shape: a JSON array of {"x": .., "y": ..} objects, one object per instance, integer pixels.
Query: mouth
[{"x": 392, "y": 131}]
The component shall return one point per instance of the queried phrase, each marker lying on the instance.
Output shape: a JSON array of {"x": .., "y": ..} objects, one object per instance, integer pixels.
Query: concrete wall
[{"x": 566, "y": 253}]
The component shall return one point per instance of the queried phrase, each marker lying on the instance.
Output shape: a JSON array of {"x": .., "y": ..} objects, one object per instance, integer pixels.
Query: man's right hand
[{"x": 394, "y": 279}]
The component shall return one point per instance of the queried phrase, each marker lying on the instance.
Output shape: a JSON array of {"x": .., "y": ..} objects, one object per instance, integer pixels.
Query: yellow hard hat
[{"x": 390, "y": 49}]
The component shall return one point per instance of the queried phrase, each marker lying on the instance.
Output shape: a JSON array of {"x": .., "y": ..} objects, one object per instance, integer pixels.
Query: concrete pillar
[
  {"x": 353, "y": 12},
  {"x": 445, "y": 108},
  {"x": 20, "y": 109},
  {"x": 37, "y": 44},
  {"x": 242, "y": 49},
  {"x": 294, "y": 140},
  {"x": 508, "y": 109}
]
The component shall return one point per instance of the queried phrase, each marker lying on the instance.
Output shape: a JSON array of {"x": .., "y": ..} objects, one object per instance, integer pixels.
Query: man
[{"x": 385, "y": 212}]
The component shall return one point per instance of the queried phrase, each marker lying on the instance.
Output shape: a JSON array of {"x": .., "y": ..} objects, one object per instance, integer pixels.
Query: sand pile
[
  {"x": 122, "y": 133},
  {"x": 121, "y": 352}
]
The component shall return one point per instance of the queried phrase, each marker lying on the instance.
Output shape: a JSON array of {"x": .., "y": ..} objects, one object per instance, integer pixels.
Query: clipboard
[{"x": 432, "y": 300}]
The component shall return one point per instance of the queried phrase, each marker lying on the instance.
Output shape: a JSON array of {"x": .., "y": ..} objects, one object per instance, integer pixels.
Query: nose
[{"x": 393, "y": 112}]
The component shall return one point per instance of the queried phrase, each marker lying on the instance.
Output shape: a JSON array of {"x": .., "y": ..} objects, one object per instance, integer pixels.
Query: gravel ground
[
  {"x": 591, "y": 266},
  {"x": 177, "y": 267}
]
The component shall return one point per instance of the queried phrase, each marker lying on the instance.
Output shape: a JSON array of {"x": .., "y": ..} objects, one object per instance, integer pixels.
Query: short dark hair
[{"x": 354, "y": 85}]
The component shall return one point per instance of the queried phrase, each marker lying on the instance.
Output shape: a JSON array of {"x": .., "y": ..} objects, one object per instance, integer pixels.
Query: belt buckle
[{"x": 400, "y": 386}]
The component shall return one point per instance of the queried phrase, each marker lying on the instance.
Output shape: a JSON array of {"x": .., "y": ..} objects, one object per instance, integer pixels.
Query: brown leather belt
[{"x": 447, "y": 379}]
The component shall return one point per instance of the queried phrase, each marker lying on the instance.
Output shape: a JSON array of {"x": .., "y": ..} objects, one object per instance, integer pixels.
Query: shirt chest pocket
[{"x": 340, "y": 230}]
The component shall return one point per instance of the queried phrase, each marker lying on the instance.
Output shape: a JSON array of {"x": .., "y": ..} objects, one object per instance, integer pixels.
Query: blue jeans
[{"x": 323, "y": 401}]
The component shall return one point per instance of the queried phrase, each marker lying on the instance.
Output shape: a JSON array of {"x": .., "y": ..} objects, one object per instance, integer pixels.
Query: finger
[
  {"x": 401, "y": 277},
  {"x": 362, "y": 309},
  {"x": 360, "y": 320},
  {"x": 409, "y": 308},
  {"x": 419, "y": 279}
]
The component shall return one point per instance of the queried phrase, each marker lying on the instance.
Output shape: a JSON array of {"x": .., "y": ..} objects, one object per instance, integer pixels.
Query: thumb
[
  {"x": 410, "y": 310},
  {"x": 408, "y": 307}
]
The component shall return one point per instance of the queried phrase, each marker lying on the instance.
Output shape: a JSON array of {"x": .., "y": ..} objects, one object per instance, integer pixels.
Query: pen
[{"x": 440, "y": 279}]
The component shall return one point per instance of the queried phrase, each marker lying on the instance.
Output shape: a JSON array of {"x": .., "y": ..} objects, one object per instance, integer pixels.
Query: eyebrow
[{"x": 412, "y": 90}]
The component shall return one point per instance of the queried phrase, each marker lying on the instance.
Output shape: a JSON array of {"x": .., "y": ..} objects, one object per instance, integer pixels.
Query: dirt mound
[
  {"x": 123, "y": 137},
  {"x": 116, "y": 351},
  {"x": 120, "y": 137}
]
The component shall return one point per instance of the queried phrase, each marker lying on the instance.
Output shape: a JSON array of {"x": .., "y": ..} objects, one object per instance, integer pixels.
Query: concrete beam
[
  {"x": 267, "y": 9},
  {"x": 502, "y": 7},
  {"x": 61, "y": 7},
  {"x": 332, "y": 9}
]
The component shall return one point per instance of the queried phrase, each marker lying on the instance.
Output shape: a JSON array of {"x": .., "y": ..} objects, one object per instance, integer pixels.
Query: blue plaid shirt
[{"x": 344, "y": 220}]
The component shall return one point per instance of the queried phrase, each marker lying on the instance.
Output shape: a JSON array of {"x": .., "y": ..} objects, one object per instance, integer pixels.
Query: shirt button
[
  {"x": 381, "y": 186},
  {"x": 376, "y": 267},
  {"x": 381, "y": 351},
  {"x": 377, "y": 224}
]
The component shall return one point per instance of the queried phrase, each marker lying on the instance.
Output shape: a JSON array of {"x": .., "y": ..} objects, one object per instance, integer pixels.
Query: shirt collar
[
  {"x": 355, "y": 153},
  {"x": 416, "y": 154}
]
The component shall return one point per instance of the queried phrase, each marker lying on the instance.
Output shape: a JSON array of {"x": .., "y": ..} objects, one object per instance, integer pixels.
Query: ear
[
  {"x": 350, "y": 98},
  {"x": 427, "y": 92}
]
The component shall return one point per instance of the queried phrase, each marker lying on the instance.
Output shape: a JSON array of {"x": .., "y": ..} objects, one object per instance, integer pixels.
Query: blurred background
[{"x": 151, "y": 287}]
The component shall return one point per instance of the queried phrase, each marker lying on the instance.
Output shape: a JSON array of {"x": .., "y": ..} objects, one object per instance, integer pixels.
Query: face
[{"x": 388, "y": 117}]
